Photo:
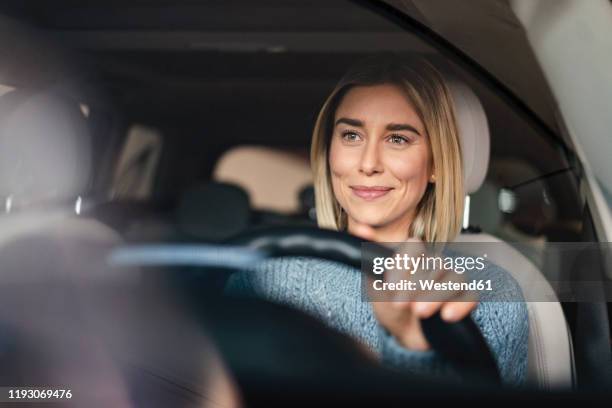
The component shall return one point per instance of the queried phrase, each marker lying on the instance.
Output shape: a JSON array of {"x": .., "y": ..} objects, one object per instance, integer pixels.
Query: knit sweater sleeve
[{"x": 332, "y": 293}]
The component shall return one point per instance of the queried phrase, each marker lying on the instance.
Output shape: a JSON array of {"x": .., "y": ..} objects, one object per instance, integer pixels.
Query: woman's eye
[
  {"x": 398, "y": 139},
  {"x": 350, "y": 137}
]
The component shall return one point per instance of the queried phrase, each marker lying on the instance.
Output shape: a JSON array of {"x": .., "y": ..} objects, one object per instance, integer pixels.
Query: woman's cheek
[
  {"x": 409, "y": 167},
  {"x": 341, "y": 165},
  {"x": 341, "y": 160}
]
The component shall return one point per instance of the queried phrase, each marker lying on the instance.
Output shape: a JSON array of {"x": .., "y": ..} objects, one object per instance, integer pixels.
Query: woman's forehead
[{"x": 377, "y": 103}]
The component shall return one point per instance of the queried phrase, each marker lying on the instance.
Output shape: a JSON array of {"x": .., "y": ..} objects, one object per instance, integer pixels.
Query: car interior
[{"x": 189, "y": 122}]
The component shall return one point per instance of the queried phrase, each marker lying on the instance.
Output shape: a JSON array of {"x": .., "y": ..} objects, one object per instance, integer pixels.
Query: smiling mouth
[{"x": 370, "y": 192}]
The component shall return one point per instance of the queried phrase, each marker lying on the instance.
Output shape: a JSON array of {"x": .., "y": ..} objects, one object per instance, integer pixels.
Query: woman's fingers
[
  {"x": 455, "y": 311},
  {"x": 412, "y": 336},
  {"x": 460, "y": 306},
  {"x": 424, "y": 310},
  {"x": 453, "y": 308},
  {"x": 404, "y": 325}
]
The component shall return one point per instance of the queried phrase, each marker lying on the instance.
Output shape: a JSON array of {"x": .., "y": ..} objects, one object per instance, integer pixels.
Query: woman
[{"x": 387, "y": 167}]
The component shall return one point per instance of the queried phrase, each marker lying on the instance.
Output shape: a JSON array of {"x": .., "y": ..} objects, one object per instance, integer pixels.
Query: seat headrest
[
  {"x": 45, "y": 148},
  {"x": 473, "y": 133},
  {"x": 213, "y": 211}
]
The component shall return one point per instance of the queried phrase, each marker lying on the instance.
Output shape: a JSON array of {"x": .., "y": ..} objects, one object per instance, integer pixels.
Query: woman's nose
[{"x": 370, "y": 160}]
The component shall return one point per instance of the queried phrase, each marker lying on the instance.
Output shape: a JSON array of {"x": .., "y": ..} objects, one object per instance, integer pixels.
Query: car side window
[{"x": 138, "y": 161}]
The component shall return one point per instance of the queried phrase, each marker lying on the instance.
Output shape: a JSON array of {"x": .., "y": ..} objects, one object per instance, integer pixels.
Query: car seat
[{"x": 550, "y": 364}]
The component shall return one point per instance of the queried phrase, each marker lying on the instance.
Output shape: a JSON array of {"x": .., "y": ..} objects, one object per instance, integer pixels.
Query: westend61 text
[{"x": 432, "y": 285}]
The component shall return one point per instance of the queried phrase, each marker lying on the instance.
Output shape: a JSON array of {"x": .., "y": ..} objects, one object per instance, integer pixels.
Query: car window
[
  {"x": 257, "y": 170},
  {"x": 137, "y": 164}
]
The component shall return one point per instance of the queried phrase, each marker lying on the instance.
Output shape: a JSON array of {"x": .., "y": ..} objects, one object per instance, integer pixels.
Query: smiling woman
[
  {"x": 384, "y": 137},
  {"x": 387, "y": 167},
  {"x": 361, "y": 151}
]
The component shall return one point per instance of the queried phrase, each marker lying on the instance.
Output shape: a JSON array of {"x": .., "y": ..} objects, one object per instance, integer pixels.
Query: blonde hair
[{"x": 439, "y": 212}]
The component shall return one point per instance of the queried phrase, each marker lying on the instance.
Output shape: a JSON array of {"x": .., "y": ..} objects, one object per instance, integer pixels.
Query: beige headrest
[
  {"x": 474, "y": 134},
  {"x": 45, "y": 150}
]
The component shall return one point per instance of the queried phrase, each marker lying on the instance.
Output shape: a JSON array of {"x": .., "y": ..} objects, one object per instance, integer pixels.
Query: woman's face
[{"x": 379, "y": 157}]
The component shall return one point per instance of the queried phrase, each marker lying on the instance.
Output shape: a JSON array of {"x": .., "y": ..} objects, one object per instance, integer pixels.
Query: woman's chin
[{"x": 371, "y": 220}]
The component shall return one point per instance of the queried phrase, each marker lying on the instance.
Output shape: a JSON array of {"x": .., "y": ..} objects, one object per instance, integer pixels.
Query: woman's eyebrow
[
  {"x": 350, "y": 122},
  {"x": 402, "y": 126}
]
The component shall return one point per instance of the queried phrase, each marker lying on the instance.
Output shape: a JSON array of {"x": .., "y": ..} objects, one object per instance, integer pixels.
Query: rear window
[{"x": 273, "y": 178}]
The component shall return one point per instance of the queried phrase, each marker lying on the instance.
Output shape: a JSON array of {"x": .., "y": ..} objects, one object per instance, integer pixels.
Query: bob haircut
[{"x": 439, "y": 212}]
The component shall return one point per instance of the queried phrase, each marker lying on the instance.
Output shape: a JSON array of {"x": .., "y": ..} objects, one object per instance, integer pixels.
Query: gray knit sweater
[{"x": 332, "y": 292}]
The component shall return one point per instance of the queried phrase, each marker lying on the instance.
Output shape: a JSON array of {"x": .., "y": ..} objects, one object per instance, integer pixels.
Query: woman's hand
[{"x": 402, "y": 317}]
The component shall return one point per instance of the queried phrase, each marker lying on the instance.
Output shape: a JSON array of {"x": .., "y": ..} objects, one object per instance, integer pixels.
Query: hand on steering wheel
[
  {"x": 402, "y": 318},
  {"x": 461, "y": 341}
]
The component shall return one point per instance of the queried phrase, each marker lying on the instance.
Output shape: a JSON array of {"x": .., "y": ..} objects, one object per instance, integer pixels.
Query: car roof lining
[
  {"x": 486, "y": 31},
  {"x": 208, "y": 81}
]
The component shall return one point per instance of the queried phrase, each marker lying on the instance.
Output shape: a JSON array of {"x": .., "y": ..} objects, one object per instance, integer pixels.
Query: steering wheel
[{"x": 461, "y": 342}]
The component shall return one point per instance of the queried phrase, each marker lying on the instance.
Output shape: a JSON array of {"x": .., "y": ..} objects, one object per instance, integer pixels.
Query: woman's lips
[{"x": 370, "y": 192}]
